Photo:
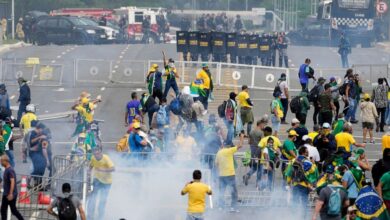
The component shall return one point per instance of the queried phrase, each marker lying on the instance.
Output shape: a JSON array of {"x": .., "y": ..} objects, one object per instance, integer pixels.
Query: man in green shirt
[
  {"x": 325, "y": 103},
  {"x": 383, "y": 189},
  {"x": 289, "y": 151},
  {"x": 305, "y": 106}
]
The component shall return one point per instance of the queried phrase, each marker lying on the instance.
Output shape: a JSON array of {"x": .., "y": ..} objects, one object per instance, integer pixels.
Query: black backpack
[
  {"x": 222, "y": 109},
  {"x": 66, "y": 209},
  {"x": 343, "y": 89},
  {"x": 277, "y": 89},
  {"x": 296, "y": 105},
  {"x": 314, "y": 93},
  {"x": 298, "y": 174}
]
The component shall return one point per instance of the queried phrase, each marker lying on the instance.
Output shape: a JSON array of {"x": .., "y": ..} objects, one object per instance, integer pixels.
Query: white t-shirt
[
  {"x": 283, "y": 85},
  {"x": 313, "y": 152}
]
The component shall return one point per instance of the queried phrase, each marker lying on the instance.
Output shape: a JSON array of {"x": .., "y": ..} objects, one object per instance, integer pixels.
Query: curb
[{"x": 8, "y": 47}]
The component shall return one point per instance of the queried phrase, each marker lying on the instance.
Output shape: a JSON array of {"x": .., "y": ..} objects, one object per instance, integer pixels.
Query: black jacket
[{"x": 24, "y": 94}]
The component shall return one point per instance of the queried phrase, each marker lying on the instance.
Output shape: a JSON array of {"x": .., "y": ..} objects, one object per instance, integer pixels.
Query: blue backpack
[
  {"x": 162, "y": 116},
  {"x": 334, "y": 203},
  {"x": 174, "y": 106}
]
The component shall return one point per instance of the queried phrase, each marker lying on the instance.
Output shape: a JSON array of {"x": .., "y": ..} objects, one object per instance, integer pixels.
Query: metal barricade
[
  {"x": 13, "y": 71},
  {"x": 48, "y": 75},
  {"x": 235, "y": 75},
  {"x": 370, "y": 73},
  {"x": 93, "y": 71},
  {"x": 266, "y": 77},
  {"x": 127, "y": 72}
]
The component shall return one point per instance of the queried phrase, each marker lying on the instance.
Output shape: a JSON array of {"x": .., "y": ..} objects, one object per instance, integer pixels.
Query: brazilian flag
[
  {"x": 370, "y": 205},
  {"x": 309, "y": 168},
  {"x": 197, "y": 89}
]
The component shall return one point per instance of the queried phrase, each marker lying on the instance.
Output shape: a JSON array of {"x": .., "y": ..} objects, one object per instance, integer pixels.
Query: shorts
[
  {"x": 195, "y": 216},
  {"x": 275, "y": 123},
  {"x": 368, "y": 125},
  {"x": 246, "y": 115}
]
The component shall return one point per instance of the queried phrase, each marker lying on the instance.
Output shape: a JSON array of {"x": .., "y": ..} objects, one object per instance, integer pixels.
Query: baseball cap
[
  {"x": 359, "y": 151},
  {"x": 321, "y": 79},
  {"x": 295, "y": 121},
  {"x": 205, "y": 65},
  {"x": 332, "y": 78},
  {"x": 306, "y": 137},
  {"x": 136, "y": 125},
  {"x": 155, "y": 65},
  {"x": 292, "y": 133},
  {"x": 326, "y": 125}
]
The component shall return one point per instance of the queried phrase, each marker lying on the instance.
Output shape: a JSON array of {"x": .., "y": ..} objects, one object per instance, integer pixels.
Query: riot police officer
[
  {"x": 204, "y": 46},
  {"x": 274, "y": 47},
  {"x": 232, "y": 47},
  {"x": 193, "y": 45},
  {"x": 282, "y": 49},
  {"x": 264, "y": 47},
  {"x": 344, "y": 50},
  {"x": 242, "y": 47},
  {"x": 253, "y": 49}
]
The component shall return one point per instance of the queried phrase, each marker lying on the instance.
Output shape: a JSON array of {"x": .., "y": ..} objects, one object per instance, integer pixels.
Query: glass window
[
  {"x": 52, "y": 23},
  {"x": 64, "y": 23},
  {"x": 139, "y": 16}
]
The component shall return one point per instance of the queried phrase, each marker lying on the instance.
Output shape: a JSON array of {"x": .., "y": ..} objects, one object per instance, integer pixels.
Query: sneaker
[
  {"x": 364, "y": 142},
  {"x": 245, "y": 179},
  {"x": 372, "y": 142},
  {"x": 233, "y": 210},
  {"x": 354, "y": 122}
]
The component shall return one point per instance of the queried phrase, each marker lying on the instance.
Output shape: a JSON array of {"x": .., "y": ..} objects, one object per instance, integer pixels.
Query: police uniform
[
  {"x": 282, "y": 49},
  {"x": 274, "y": 47},
  {"x": 264, "y": 47}
]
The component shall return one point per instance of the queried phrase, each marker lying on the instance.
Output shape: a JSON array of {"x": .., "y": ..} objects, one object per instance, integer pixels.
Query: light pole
[{"x": 13, "y": 18}]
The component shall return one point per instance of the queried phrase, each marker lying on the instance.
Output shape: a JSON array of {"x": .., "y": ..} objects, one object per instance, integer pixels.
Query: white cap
[
  {"x": 295, "y": 121},
  {"x": 306, "y": 137},
  {"x": 186, "y": 90},
  {"x": 326, "y": 125}
]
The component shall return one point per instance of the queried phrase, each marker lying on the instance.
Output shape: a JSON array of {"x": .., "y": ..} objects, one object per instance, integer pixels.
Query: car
[
  {"x": 67, "y": 30},
  {"x": 111, "y": 31}
]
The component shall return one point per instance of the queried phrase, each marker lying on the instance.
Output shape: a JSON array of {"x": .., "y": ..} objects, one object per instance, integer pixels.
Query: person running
[
  {"x": 150, "y": 106},
  {"x": 379, "y": 97},
  {"x": 246, "y": 105},
  {"x": 197, "y": 192},
  {"x": 227, "y": 175},
  {"x": 10, "y": 191},
  {"x": 314, "y": 95},
  {"x": 133, "y": 108},
  {"x": 69, "y": 203},
  {"x": 369, "y": 115},
  {"x": 304, "y": 75},
  {"x": 103, "y": 167}
]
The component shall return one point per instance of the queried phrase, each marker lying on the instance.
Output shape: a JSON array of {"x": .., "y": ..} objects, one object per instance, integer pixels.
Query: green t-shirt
[
  {"x": 385, "y": 180},
  {"x": 288, "y": 145},
  {"x": 324, "y": 101}
]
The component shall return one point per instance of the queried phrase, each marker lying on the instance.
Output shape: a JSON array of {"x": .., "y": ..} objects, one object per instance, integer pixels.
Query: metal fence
[{"x": 114, "y": 73}]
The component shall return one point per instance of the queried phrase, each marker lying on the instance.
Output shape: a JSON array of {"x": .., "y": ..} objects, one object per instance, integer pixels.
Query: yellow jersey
[
  {"x": 345, "y": 140},
  {"x": 104, "y": 163},
  {"x": 202, "y": 75},
  {"x": 26, "y": 120},
  {"x": 197, "y": 192},
  {"x": 225, "y": 161},
  {"x": 242, "y": 99}
]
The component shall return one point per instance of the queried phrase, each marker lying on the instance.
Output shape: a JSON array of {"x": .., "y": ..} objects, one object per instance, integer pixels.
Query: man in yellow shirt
[
  {"x": 102, "y": 167},
  {"x": 246, "y": 106},
  {"x": 345, "y": 141},
  {"x": 196, "y": 196},
  {"x": 207, "y": 86},
  {"x": 386, "y": 140},
  {"x": 25, "y": 121},
  {"x": 227, "y": 175}
]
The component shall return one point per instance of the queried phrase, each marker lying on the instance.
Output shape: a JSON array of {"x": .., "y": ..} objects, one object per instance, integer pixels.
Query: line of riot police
[{"x": 242, "y": 48}]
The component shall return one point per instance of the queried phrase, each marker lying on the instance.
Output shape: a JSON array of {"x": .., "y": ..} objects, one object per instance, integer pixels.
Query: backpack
[
  {"x": 298, "y": 174},
  {"x": 66, "y": 209},
  {"x": 314, "y": 93},
  {"x": 162, "y": 117},
  {"x": 277, "y": 89},
  {"x": 174, "y": 106},
  {"x": 343, "y": 88},
  {"x": 222, "y": 109},
  {"x": 334, "y": 202},
  {"x": 296, "y": 105}
]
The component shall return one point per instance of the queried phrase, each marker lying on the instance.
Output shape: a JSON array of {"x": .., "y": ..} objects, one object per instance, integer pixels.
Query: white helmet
[{"x": 30, "y": 108}]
